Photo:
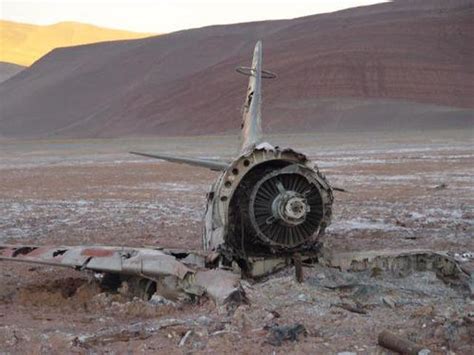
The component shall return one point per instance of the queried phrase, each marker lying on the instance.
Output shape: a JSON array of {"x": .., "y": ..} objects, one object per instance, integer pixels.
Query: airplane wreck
[{"x": 268, "y": 209}]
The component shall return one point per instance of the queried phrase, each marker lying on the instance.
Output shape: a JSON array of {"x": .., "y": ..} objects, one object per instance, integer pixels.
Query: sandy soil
[{"x": 92, "y": 192}]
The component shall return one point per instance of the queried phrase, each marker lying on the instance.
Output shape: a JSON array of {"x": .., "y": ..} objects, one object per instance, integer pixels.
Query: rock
[
  {"x": 203, "y": 320},
  {"x": 425, "y": 311},
  {"x": 400, "y": 223},
  {"x": 302, "y": 297},
  {"x": 241, "y": 318},
  {"x": 335, "y": 280},
  {"x": 389, "y": 301},
  {"x": 271, "y": 315},
  {"x": 278, "y": 333},
  {"x": 158, "y": 300}
]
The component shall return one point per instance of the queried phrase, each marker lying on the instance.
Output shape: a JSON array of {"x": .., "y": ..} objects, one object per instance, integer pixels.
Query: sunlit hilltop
[{"x": 24, "y": 43}]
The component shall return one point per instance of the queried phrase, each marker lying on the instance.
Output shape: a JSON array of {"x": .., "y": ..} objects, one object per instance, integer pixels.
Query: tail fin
[{"x": 251, "y": 120}]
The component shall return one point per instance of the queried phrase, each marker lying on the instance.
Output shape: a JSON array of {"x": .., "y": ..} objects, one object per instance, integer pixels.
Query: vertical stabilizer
[{"x": 251, "y": 120}]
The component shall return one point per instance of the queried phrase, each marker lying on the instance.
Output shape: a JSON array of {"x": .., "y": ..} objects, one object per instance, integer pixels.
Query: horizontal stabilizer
[{"x": 216, "y": 165}]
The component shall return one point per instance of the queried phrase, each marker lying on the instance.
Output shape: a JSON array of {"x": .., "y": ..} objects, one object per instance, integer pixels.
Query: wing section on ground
[
  {"x": 213, "y": 164},
  {"x": 131, "y": 261},
  {"x": 187, "y": 267}
]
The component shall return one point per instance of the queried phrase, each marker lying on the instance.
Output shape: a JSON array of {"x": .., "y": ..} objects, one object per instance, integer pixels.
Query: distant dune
[
  {"x": 7, "y": 70},
  {"x": 392, "y": 66},
  {"x": 24, "y": 43}
]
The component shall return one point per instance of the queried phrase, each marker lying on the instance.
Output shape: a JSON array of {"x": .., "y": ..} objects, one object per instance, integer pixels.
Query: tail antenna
[{"x": 247, "y": 71}]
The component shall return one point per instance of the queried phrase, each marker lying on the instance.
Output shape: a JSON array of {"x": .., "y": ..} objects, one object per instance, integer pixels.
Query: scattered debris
[
  {"x": 222, "y": 286},
  {"x": 400, "y": 223},
  {"x": 224, "y": 331},
  {"x": 183, "y": 340},
  {"x": 340, "y": 189},
  {"x": 270, "y": 316},
  {"x": 278, "y": 333},
  {"x": 440, "y": 186},
  {"x": 339, "y": 281},
  {"x": 158, "y": 300},
  {"x": 403, "y": 263},
  {"x": 400, "y": 345},
  {"x": 463, "y": 257},
  {"x": 298, "y": 267},
  {"x": 203, "y": 320},
  {"x": 135, "y": 331},
  {"x": 351, "y": 308},
  {"x": 389, "y": 301}
]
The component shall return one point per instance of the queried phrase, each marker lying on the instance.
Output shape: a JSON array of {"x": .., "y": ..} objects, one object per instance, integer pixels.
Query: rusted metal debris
[
  {"x": 185, "y": 337},
  {"x": 141, "y": 330},
  {"x": 298, "y": 267},
  {"x": 400, "y": 345},
  {"x": 351, "y": 308},
  {"x": 404, "y": 262}
]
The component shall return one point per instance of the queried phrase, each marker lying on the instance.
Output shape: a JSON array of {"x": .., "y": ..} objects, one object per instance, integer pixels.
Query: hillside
[
  {"x": 7, "y": 70},
  {"x": 396, "y": 66},
  {"x": 23, "y": 43}
]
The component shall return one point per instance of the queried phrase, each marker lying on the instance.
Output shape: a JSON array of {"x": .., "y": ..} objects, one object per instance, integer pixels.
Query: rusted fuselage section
[{"x": 452, "y": 269}]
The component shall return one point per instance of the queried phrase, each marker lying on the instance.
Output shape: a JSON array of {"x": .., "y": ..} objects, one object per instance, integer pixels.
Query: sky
[{"x": 164, "y": 16}]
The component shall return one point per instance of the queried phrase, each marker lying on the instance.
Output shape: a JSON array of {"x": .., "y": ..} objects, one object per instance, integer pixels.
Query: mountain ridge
[
  {"x": 8, "y": 70},
  {"x": 412, "y": 56},
  {"x": 23, "y": 43}
]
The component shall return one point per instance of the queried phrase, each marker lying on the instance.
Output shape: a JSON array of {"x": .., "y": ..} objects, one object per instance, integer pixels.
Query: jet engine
[{"x": 270, "y": 201}]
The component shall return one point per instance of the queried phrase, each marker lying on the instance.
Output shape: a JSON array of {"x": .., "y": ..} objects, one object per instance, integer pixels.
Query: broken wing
[{"x": 150, "y": 263}]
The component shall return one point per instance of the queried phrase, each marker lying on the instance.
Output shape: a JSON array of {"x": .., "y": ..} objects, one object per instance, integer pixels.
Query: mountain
[
  {"x": 7, "y": 70},
  {"x": 391, "y": 66},
  {"x": 24, "y": 43}
]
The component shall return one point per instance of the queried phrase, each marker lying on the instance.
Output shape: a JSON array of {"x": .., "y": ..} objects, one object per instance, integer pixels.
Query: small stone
[
  {"x": 302, "y": 297},
  {"x": 241, "y": 318},
  {"x": 347, "y": 353},
  {"x": 268, "y": 317},
  {"x": 158, "y": 300},
  {"x": 203, "y": 320},
  {"x": 389, "y": 301}
]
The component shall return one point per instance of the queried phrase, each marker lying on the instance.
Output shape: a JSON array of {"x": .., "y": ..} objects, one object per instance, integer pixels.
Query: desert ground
[{"x": 406, "y": 190}]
